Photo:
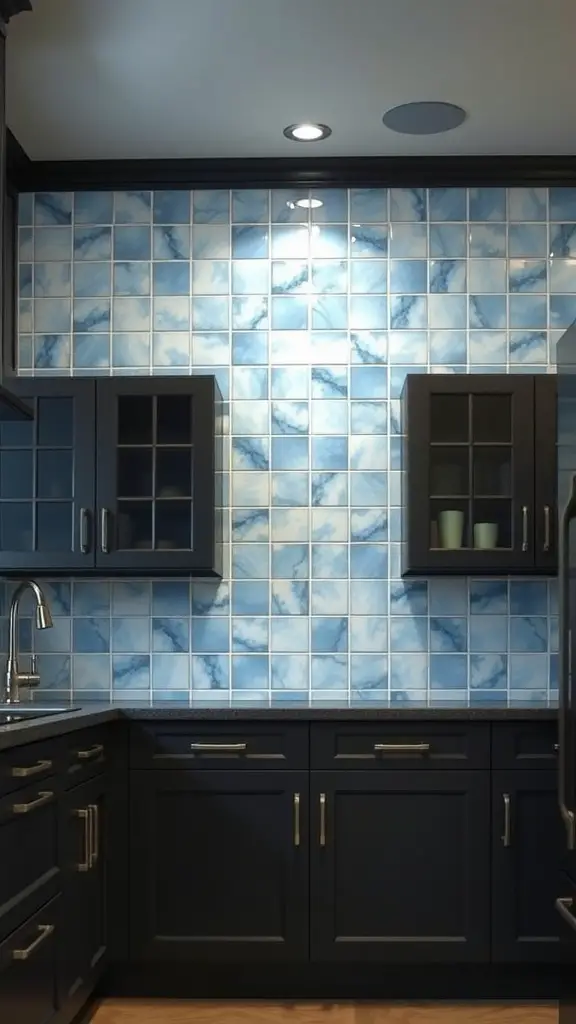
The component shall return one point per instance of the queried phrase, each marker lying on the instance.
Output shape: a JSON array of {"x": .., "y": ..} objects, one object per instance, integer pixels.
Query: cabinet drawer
[
  {"x": 34, "y": 762},
  {"x": 524, "y": 745},
  {"x": 29, "y": 873},
  {"x": 86, "y": 755},
  {"x": 400, "y": 745},
  {"x": 28, "y": 969},
  {"x": 173, "y": 745}
]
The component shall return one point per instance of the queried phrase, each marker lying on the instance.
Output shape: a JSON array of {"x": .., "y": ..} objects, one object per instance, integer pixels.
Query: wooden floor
[{"x": 128, "y": 1011}]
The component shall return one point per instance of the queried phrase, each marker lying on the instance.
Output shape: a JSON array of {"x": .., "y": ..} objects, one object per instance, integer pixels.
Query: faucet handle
[{"x": 33, "y": 665}]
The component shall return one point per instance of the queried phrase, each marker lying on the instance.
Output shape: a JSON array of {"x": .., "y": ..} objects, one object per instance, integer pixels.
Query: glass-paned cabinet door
[
  {"x": 156, "y": 473},
  {"x": 469, "y": 473},
  {"x": 47, "y": 479}
]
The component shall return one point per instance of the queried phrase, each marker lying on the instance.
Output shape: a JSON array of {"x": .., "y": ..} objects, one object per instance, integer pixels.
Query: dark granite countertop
[{"x": 96, "y": 713}]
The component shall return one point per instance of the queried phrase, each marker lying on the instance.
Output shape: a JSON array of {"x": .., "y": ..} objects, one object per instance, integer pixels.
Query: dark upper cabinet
[
  {"x": 528, "y": 841},
  {"x": 220, "y": 870},
  {"x": 113, "y": 475},
  {"x": 47, "y": 481},
  {"x": 479, "y": 478},
  {"x": 156, "y": 474},
  {"x": 400, "y": 866},
  {"x": 83, "y": 940}
]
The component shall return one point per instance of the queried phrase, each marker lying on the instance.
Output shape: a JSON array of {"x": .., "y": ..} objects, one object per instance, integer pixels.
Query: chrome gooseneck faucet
[{"x": 14, "y": 678}]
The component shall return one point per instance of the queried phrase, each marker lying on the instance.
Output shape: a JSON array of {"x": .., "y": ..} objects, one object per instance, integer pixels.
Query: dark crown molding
[{"x": 363, "y": 172}]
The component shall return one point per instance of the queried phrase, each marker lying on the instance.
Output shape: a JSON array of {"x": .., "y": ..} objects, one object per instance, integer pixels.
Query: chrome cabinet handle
[
  {"x": 32, "y": 805},
  {"x": 507, "y": 835},
  {"x": 296, "y": 819},
  {"x": 33, "y": 769},
  {"x": 401, "y": 748},
  {"x": 84, "y": 815},
  {"x": 524, "y": 528},
  {"x": 104, "y": 517},
  {"x": 322, "y": 819},
  {"x": 95, "y": 830},
  {"x": 563, "y": 904},
  {"x": 92, "y": 752},
  {"x": 226, "y": 748},
  {"x": 24, "y": 954},
  {"x": 546, "y": 545},
  {"x": 84, "y": 531}
]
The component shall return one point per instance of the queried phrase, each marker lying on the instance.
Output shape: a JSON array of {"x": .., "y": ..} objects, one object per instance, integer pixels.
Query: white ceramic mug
[
  {"x": 485, "y": 535},
  {"x": 451, "y": 528}
]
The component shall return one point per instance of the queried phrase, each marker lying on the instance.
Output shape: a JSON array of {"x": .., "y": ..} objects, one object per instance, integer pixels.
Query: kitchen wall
[{"x": 311, "y": 320}]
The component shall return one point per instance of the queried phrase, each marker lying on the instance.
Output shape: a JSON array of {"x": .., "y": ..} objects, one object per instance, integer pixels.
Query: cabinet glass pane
[
  {"x": 16, "y": 474},
  {"x": 449, "y": 418},
  {"x": 492, "y": 418},
  {"x": 135, "y": 472},
  {"x": 55, "y": 473},
  {"x": 15, "y": 526},
  {"x": 492, "y": 472},
  {"x": 54, "y": 526},
  {"x": 492, "y": 523},
  {"x": 173, "y": 524},
  {"x": 449, "y": 523},
  {"x": 134, "y": 525},
  {"x": 174, "y": 424},
  {"x": 449, "y": 471},
  {"x": 55, "y": 422},
  {"x": 135, "y": 419},
  {"x": 17, "y": 434},
  {"x": 173, "y": 473}
]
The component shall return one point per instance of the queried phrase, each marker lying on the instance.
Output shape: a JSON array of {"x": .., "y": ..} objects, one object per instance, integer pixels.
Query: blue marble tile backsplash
[{"x": 310, "y": 319}]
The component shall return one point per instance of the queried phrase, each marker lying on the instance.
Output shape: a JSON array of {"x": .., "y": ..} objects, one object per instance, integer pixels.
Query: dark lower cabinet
[
  {"x": 29, "y": 968},
  {"x": 219, "y": 865},
  {"x": 400, "y": 866},
  {"x": 83, "y": 945},
  {"x": 528, "y": 841}
]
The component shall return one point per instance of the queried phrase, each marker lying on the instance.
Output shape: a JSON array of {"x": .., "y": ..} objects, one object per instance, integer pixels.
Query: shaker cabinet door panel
[
  {"x": 219, "y": 866},
  {"x": 528, "y": 841},
  {"x": 400, "y": 866}
]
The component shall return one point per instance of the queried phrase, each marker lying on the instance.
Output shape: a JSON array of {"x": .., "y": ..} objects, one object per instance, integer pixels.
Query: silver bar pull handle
[
  {"x": 322, "y": 819},
  {"x": 401, "y": 748},
  {"x": 546, "y": 545},
  {"x": 296, "y": 819},
  {"x": 104, "y": 541},
  {"x": 507, "y": 834},
  {"x": 84, "y": 531},
  {"x": 32, "y": 769},
  {"x": 524, "y": 528},
  {"x": 24, "y": 954},
  {"x": 219, "y": 748},
  {"x": 32, "y": 805}
]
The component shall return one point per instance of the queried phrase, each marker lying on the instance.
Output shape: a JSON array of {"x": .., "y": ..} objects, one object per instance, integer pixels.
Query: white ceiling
[{"x": 221, "y": 78}]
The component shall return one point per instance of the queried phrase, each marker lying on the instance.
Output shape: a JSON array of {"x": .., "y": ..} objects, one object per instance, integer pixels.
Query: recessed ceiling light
[
  {"x": 426, "y": 117},
  {"x": 307, "y": 131}
]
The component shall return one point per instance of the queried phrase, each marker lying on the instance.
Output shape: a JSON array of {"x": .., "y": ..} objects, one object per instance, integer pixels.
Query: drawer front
[
  {"x": 29, "y": 873},
  {"x": 35, "y": 762},
  {"x": 86, "y": 755},
  {"x": 230, "y": 745},
  {"x": 400, "y": 745},
  {"x": 524, "y": 745},
  {"x": 28, "y": 969}
]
